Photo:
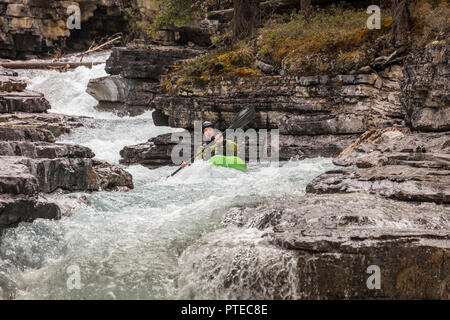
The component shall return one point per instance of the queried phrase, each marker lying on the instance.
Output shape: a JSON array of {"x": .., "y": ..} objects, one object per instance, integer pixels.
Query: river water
[{"x": 126, "y": 245}]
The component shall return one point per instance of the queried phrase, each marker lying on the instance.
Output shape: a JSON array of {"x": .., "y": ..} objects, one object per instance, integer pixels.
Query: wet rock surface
[
  {"x": 19, "y": 208},
  {"x": 319, "y": 247}
]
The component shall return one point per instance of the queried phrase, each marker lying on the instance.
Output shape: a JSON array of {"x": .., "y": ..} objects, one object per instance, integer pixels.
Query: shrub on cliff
[{"x": 220, "y": 64}]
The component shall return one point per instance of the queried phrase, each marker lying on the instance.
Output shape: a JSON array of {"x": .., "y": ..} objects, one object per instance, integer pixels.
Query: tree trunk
[
  {"x": 245, "y": 17},
  {"x": 400, "y": 21},
  {"x": 305, "y": 6}
]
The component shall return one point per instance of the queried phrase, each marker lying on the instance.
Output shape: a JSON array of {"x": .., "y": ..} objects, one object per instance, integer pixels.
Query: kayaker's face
[{"x": 208, "y": 133}]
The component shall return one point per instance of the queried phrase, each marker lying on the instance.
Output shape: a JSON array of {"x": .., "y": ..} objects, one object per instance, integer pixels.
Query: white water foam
[{"x": 127, "y": 244}]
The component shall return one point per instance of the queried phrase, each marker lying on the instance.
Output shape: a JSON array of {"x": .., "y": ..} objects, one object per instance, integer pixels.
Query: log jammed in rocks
[{"x": 47, "y": 65}]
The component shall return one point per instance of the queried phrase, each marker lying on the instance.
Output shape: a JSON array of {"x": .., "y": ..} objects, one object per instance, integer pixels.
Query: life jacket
[{"x": 226, "y": 147}]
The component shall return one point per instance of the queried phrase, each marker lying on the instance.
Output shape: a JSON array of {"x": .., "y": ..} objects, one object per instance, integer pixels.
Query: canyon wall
[{"x": 32, "y": 27}]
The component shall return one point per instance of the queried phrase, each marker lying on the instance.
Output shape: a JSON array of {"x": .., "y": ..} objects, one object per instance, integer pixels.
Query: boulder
[
  {"x": 38, "y": 126},
  {"x": 323, "y": 247},
  {"x": 20, "y": 208},
  {"x": 110, "y": 178}
]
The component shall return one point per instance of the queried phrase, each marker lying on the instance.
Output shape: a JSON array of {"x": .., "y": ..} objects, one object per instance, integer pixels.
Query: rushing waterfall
[{"x": 126, "y": 245}]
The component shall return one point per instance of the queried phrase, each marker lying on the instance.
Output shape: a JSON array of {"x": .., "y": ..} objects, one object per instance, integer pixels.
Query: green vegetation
[
  {"x": 220, "y": 64},
  {"x": 176, "y": 13},
  {"x": 331, "y": 40},
  {"x": 295, "y": 45}
]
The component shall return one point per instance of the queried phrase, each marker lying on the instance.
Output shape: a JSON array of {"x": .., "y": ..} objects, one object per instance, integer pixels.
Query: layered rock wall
[
  {"x": 410, "y": 163},
  {"x": 30, "y": 27}
]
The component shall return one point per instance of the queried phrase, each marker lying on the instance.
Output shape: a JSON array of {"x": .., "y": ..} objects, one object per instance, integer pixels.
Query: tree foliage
[{"x": 177, "y": 13}]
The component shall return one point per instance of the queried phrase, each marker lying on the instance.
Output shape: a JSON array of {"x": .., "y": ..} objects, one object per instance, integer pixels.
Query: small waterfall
[{"x": 234, "y": 263}]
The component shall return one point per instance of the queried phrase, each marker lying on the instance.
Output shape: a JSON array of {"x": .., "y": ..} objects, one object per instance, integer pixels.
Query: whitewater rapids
[{"x": 127, "y": 244}]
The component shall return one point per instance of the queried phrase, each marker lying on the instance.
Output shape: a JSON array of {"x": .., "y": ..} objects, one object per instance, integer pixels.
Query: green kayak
[{"x": 229, "y": 162}]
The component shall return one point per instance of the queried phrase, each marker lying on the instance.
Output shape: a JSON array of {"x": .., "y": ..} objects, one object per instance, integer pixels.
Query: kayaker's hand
[
  {"x": 218, "y": 138},
  {"x": 183, "y": 164}
]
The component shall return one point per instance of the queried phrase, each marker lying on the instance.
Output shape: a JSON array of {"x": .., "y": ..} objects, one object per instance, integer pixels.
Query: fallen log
[{"x": 47, "y": 65}]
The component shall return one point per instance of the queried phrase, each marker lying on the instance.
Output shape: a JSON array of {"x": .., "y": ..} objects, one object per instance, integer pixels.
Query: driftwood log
[{"x": 47, "y": 65}]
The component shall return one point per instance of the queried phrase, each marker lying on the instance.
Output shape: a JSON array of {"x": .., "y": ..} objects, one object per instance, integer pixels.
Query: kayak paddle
[{"x": 241, "y": 119}]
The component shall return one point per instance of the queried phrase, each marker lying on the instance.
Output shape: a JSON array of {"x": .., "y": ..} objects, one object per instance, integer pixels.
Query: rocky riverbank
[
  {"x": 386, "y": 128},
  {"x": 32, "y": 163}
]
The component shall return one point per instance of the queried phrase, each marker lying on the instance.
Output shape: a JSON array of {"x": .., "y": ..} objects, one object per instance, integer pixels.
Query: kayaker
[{"x": 218, "y": 147}]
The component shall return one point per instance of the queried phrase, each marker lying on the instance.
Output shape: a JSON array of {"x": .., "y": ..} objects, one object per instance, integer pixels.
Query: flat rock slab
[
  {"x": 320, "y": 247},
  {"x": 23, "y": 101},
  {"x": 11, "y": 83},
  {"x": 44, "y": 150},
  {"x": 38, "y": 126},
  {"x": 20, "y": 208},
  {"x": 392, "y": 163}
]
